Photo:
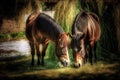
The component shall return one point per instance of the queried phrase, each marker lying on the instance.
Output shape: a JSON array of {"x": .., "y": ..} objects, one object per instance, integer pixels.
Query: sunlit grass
[{"x": 20, "y": 68}]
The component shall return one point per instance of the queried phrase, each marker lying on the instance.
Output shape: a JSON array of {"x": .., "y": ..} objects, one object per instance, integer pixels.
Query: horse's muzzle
[
  {"x": 65, "y": 63},
  {"x": 77, "y": 65}
]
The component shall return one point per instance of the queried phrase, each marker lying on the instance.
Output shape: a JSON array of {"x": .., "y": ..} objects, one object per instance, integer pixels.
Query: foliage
[
  {"x": 3, "y": 36},
  {"x": 65, "y": 12},
  {"x": 17, "y": 35},
  {"x": 12, "y": 35},
  {"x": 44, "y": 7},
  {"x": 51, "y": 51}
]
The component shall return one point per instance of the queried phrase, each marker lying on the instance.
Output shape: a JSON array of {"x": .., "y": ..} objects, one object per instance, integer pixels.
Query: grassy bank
[{"x": 12, "y": 36}]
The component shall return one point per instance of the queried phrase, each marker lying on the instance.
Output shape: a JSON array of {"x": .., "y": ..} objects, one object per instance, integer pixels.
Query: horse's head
[
  {"x": 77, "y": 45},
  {"x": 62, "y": 49}
]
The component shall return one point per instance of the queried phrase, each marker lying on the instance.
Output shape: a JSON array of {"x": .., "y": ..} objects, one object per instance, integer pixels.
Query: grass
[
  {"x": 10, "y": 36},
  {"x": 19, "y": 68},
  {"x": 16, "y": 35}
]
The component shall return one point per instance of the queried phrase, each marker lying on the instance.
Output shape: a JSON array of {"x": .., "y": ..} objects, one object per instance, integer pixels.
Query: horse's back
[
  {"x": 80, "y": 23},
  {"x": 87, "y": 23},
  {"x": 48, "y": 26},
  {"x": 40, "y": 26}
]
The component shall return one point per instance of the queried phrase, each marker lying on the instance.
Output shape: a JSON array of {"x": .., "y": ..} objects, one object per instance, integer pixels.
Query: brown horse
[
  {"x": 40, "y": 28},
  {"x": 85, "y": 33}
]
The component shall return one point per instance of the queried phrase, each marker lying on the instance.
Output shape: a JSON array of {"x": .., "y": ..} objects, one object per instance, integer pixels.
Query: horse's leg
[
  {"x": 38, "y": 54},
  {"x": 87, "y": 52},
  {"x": 43, "y": 52},
  {"x": 85, "y": 59},
  {"x": 90, "y": 53},
  {"x": 87, "y": 48},
  {"x": 32, "y": 46},
  {"x": 95, "y": 56}
]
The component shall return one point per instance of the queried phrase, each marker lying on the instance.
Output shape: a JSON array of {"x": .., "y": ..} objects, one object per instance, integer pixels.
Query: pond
[{"x": 14, "y": 48}]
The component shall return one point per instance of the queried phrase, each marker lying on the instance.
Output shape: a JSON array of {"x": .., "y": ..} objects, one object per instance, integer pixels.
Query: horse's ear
[{"x": 70, "y": 35}]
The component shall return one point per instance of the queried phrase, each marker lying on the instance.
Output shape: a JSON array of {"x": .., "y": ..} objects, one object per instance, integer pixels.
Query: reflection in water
[{"x": 14, "y": 48}]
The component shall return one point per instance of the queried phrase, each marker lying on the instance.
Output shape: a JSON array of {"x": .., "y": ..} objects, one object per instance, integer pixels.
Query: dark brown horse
[
  {"x": 40, "y": 28},
  {"x": 85, "y": 33}
]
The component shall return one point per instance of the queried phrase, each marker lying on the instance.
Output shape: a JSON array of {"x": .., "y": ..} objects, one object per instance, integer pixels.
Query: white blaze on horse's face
[
  {"x": 79, "y": 59},
  {"x": 77, "y": 45},
  {"x": 62, "y": 50},
  {"x": 64, "y": 56},
  {"x": 68, "y": 60}
]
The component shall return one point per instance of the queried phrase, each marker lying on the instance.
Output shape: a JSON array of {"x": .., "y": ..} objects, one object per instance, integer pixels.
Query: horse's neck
[
  {"x": 83, "y": 48},
  {"x": 57, "y": 37}
]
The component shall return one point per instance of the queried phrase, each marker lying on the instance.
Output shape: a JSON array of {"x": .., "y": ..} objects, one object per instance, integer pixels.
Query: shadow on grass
[
  {"x": 22, "y": 64},
  {"x": 19, "y": 68}
]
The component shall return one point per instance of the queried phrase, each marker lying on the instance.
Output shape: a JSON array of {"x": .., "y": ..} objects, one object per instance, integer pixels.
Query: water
[{"x": 14, "y": 48}]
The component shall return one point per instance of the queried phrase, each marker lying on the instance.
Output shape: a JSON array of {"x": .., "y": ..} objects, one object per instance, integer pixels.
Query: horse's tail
[
  {"x": 96, "y": 23},
  {"x": 30, "y": 22}
]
